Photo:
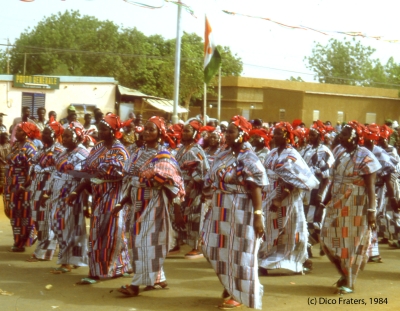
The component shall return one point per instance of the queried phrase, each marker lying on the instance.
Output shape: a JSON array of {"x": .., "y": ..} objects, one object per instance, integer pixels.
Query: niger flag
[{"x": 212, "y": 58}]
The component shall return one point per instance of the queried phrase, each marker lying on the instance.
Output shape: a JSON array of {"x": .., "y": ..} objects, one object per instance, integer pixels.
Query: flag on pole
[{"x": 212, "y": 58}]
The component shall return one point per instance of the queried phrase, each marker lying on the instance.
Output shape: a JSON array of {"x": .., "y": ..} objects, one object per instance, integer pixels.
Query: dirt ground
[{"x": 193, "y": 285}]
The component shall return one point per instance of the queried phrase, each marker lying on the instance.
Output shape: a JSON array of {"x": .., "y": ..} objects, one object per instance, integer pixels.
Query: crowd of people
[{"x": 248, "y": 196}]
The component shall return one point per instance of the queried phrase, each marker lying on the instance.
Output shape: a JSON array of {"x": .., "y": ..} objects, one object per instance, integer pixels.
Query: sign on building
[{"x": 36, "y": 82}]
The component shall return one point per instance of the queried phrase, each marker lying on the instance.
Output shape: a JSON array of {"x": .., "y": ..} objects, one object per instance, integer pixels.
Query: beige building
[
  {"x": 277, "y": 100},
  {"x": 55, "y": 93}
]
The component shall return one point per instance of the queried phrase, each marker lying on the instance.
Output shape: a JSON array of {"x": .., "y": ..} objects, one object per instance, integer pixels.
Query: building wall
[
  {"x": 92, "y": 94},
  {"x": 262, "y": 98},
  {"x": 353, "y": 108}
]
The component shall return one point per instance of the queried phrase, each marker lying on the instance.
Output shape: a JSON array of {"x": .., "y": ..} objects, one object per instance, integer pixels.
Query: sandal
[
  {"x": 160, "y": 285},
  {"x": 376, "y": 259},
  {"x": 129, "y": 290},
  {"x": 225, "y": 295},
  {"x": 341, "y": 282},
  {"x": 33, "y": 258},
  {"x": 16, "y": 249},
  {"x": 230, "y": 304},
  {"x": 307, "y": 265},
  {"x": 174, "y": 251},
  {"x": 344, "y": 290},
  {"x": 194, "y": 254},
  {"x": 395, "y": 244},
  {"x": 86, "y": 281},
  {"x": 60, "y": 270}
]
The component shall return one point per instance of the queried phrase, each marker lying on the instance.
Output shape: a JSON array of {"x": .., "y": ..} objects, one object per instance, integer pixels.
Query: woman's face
[
  {"x": 46, "y": 137},
  {"x": 279, "y": 137},
  {"x": 187, "y": 133},
  {"x": 345, "y": 138},
  {"x": 150, "y": 132},
  {"x": 20, "y": 135},
  {"x": 313, "y": 137},
  {"x": 104, "y": 132},
  {"x": 382, "y": 142},
  {"x": 369, "y": 144},
  {"x": 213, "y": 140},
  {"x": 232, "y": 133},
  {"x": 68, "y": 139}
]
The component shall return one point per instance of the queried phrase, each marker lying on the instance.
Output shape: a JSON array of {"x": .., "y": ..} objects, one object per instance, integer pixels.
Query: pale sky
[{"x": 267, "y": 49}]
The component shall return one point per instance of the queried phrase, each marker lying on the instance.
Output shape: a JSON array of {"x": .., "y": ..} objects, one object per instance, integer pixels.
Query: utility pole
[
  {"x": 8, "y": 56},
  {"x": 24, "y": 63},
  {"x": 175, "y": 118}
]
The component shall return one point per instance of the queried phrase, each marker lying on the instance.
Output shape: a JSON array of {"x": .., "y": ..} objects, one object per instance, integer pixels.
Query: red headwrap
[
  {"x": 243, "y": 125},
  {"x": 77, "y": 130},
  {"x": 55, "y": 127},
  {"x": 286, "y": 127},
  {"x": 371, "y": 132},
  {"x": 385, "y": 131},
  {"x": 321, "y": 128},
  {"x": 175, "y": 132},
  {"x": 296, "y": 123},
  {"x": 358, "y": 130},
  {"x": 160, "y": 123},
  {"x": 114, "y": 123},
  {"x": 207, "y": 128},
  {"x": 196, "y": 125},
  {"x": 262, "y": 133},
  {"x": 30, "y": 129}
]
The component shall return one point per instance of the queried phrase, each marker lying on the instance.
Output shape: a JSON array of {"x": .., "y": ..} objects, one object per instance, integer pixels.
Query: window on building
[
  {"x": 33, "y": 101},
  {"x": 282, "y": 114},
  {"x": 340, "y": 116},
  {"x": 370, "y": 118},
  {"x": 315, "y": 115}
]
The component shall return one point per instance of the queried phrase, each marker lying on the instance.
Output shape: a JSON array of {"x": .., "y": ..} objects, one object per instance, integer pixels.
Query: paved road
[{"x": 192, "y": 286}]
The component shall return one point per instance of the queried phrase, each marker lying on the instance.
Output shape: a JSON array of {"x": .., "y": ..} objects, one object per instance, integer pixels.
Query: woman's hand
[
  {"x": 258, "y": 225},
  {"x": 43, "y": 198},
  {"x": 117, "y": 208},
  {"x": 71, "y": 198},
  {"x": 371, "y": 221},
  {"x": 276, "y": 203}
]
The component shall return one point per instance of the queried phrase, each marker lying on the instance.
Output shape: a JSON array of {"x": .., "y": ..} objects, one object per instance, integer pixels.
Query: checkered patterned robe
[
  {"x": 229, "y": 240},
  {"x": 69, "y": 222},
  {"x": 319, "y": 160},
  {"x": 285, "y": 244},
  {"x": 17, "y": 208},
  {"x": 108, "y": 246},
  {"x": 149, "y": 173},
  {"x": 41, "y": 169},
  {"x": 345, "y": 235}
]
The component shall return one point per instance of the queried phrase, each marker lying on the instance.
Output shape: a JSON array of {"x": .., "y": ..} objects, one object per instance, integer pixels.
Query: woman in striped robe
[
  {"x": 350, "y": 207},
  {"x": 70, "y": 223},
  {"x": 108, "y": 248},
  {"x": 152, "y": 182},
  {"x": 16, "y": 197},
  {"x": 233, "y": 224},
  {"x": 40, "y": 176}
]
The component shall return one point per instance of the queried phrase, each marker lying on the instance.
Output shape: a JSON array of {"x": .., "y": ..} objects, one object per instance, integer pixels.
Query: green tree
[
  {"x": 70, "y": 44},
  {"x": 3, "y": 62},
  {"x": 345, "y": 62},
  {"x": 298, "y": 79}
]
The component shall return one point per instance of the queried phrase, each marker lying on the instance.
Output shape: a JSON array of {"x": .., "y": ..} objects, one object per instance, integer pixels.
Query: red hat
[
  {"x": 30, "y": 129},
  {"x": 262, "y": 133},
  {"x": 286, "y": 127},
  {"x": 114, "y": 123},
  {"x": 371, "y": 131},
  {"x": 243, "y": 125},
  {"x": 321, "y": 128},
  {"x": 55, "y": 127},
  {"x": 160, "y": 123},
  {"x": 385, "y": 131}
]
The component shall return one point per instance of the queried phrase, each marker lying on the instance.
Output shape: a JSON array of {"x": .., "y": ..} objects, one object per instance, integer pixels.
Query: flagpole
[
  {"x": 175, "y": 118},
  {"x": 219, "y": 94},
  {"x": 205, "y": 104}
]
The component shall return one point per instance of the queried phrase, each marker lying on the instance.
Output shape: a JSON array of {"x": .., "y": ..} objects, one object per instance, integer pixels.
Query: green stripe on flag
[{"x": 212, "y": 67}]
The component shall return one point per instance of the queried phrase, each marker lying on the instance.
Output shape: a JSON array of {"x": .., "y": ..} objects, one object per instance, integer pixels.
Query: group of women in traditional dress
[{"x": 246, "y": 208}]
